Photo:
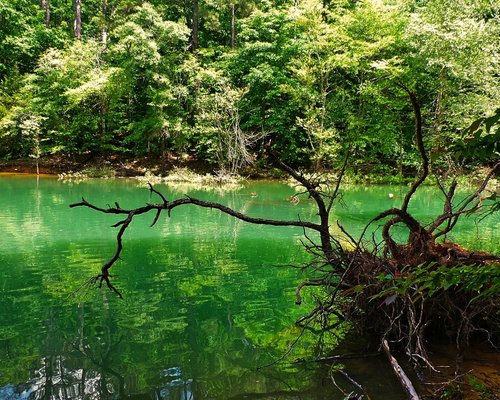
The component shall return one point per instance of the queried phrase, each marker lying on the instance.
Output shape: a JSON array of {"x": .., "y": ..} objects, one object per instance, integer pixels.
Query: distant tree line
[{"x": 217, "y": 79}]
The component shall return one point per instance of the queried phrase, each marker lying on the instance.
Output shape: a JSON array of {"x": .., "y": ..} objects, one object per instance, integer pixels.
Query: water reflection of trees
[
  {"x": 89, "y": 369},
  {"x": 87, "y": 354},
  {"x": 151, "y": 347},
  {"x": 57, "y": 379}
]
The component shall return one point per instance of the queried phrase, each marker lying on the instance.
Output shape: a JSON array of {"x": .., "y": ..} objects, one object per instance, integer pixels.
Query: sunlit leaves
[
  {"x": 430, "y": 280},
  {"x": 315, "y": 77}
]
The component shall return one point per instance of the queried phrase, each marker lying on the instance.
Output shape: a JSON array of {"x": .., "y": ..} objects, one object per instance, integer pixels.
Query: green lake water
[{"x": 208, "y": 300}]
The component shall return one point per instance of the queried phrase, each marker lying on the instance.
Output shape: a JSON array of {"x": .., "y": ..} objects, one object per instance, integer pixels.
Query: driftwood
[
  {"x": 400, "y": 374},
  {"x": 168, "y": 206}
]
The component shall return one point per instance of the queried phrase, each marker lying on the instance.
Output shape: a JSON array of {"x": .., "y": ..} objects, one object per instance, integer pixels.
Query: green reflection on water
[{"x": 208, "y": 299}]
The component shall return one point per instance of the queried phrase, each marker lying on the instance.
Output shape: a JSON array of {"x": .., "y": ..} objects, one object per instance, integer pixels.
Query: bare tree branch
[
  {"x": 420, "y": 146},
  {"x": 314, "y": 192},
  {"x": 168, "y": 206},
  {"x": 454, "y": 216}
]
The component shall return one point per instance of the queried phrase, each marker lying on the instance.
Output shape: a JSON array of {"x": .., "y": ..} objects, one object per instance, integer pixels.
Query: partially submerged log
[{"x": 400, "y": 374}]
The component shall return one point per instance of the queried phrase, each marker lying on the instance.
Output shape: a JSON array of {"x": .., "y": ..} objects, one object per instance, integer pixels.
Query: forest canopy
[{"x": 215, "y": 80}]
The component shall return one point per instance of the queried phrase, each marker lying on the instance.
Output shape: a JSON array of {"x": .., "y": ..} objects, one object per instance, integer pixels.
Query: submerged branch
[
  {"x": 349, "y": 356},
  {"x": 403, "y": 378}
]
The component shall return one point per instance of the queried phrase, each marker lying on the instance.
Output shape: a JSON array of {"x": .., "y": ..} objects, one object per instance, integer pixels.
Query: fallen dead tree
[{"x": 399, "y": 291}]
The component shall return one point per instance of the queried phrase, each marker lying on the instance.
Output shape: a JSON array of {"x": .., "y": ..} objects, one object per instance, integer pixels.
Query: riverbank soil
[
  {"x": 113, "y": 165},
  {"x": 477, "y": 379}
]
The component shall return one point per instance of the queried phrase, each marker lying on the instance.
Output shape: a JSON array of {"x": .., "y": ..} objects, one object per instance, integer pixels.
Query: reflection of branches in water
[
  {"x": 277, "y": 394},
  {"x": 239, "y": 223},
  {"x": 219, "y": 188},
  {"x": 82, "y": 292},
  {"x": 57, "y": 379},
  {"x": 104, "y": 360}
]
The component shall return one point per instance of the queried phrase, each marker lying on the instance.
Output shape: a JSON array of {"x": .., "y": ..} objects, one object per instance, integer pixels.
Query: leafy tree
[
  {"x": 307, "y": 81},
  {"x": 460, "y": 75},
  {"x": 30, "y": 128},
  {"x": 151, "y": 51},
  {"x": 262, "y": 65},
  {"x": 23, "y": 36},
  {"x": 317, "y": 77}
]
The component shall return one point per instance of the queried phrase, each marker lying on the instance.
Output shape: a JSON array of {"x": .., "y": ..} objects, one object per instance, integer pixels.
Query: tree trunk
[
  {"x": 232, "y": 25},
  {"x": 104, "y": 31},
  {"x": 194, "y": 43},
  {"x": 45, "y": 4},
  {"x": 78, "y": 19}
]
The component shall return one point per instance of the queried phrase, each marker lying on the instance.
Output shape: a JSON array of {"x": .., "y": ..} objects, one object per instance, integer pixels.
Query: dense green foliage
[{"x": 315, "y": 77}]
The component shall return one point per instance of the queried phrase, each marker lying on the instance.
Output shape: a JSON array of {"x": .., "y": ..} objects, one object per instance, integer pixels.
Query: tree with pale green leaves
[{"x": 317, "y": 78}]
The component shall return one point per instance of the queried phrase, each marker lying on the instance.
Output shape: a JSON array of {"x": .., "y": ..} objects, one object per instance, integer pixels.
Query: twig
[{"x": 336, "y": 357}]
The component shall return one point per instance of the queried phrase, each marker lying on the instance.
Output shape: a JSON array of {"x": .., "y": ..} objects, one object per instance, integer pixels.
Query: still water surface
[{"x": 208, "y": 299}]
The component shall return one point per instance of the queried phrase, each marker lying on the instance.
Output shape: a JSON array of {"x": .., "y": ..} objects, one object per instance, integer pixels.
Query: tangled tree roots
[
  {"x": 444, "y": 291},
  {"x": 401, "y": 291}
]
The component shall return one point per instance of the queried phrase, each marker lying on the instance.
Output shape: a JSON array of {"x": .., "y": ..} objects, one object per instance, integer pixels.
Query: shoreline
[{"x": 115, "y": 167}]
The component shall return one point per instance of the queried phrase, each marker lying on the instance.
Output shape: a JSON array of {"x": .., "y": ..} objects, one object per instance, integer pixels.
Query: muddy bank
[
  {"x": 29, "y": 167},
  {"x": 476, "y": 377},
  {"x": 102, "y": 166}
]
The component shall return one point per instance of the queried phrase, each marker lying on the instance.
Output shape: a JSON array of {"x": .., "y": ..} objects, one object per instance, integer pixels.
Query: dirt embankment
[
  {"x": 110, "y": 166},
  {"x": 29, "y": 167}
]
